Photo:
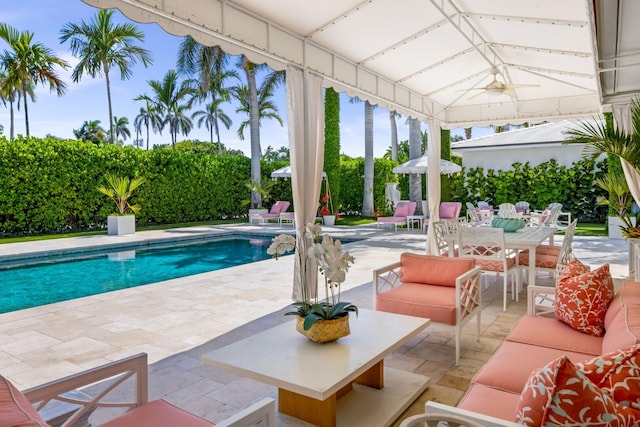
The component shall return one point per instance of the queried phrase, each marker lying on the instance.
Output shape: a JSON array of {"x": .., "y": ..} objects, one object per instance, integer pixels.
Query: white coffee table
[
  {"x": 415, "y": 220},
  {"x": 312, "y": 377}
]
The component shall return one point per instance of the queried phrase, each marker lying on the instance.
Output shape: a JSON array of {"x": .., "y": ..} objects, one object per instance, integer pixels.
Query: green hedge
[{"x": 48, "y": 185}]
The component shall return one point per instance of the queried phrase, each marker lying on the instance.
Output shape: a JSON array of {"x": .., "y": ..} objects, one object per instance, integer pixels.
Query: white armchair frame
[
  {"x": 438, "y": 412},
  {"x": 468, "y": 296},
  {"x": 117, "y": 373}
]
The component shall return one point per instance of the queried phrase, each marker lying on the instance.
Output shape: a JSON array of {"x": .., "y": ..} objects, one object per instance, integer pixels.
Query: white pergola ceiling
[{"x": 422, "y": 57}]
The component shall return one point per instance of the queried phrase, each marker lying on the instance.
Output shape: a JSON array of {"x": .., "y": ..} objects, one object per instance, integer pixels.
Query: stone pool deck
[{"x": 177, "y": 321}]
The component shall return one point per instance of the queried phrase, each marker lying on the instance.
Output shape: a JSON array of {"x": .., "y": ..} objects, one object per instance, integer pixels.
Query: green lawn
[{"x": 581, "y": 229}]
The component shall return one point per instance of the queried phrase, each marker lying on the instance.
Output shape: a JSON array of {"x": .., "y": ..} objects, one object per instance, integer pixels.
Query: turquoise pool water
[{"x": 49, "y": 280}]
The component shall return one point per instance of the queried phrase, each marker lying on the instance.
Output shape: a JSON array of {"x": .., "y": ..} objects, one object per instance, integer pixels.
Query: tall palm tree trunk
[
  {"x": 215, "y": 122},
  {"x": 108, "y": 80},
  {"x": 12, "y": 125},
  {"x": 147, "y": 136},
  {"x": 394, "y": 135},
  {"x": 254, "y": 126},
  {"x": 415, "y": 179},
  {"x": 367, "y": 201},
  {"x": 26, "y": 110}
]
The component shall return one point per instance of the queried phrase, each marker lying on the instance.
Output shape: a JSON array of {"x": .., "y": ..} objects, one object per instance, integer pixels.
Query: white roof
[
  {"x": 547, "y": 133},
  {"x": 428, "y": 58}
]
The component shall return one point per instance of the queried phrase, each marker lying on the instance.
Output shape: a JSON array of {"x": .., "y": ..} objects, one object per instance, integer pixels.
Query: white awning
[{"x": 428, "y": 59}]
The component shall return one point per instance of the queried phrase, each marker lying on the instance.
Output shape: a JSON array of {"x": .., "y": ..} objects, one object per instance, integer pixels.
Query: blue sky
[{"x": 87, "y": 100}]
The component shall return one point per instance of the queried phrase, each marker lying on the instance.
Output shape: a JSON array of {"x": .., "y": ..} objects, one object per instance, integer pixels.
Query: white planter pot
[
  {"x": 329, "y": 220},
  {"x": 117, "y": 225}
]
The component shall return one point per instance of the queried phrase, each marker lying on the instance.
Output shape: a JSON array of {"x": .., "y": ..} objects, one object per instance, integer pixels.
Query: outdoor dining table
[{"x": 525, "y": 238}]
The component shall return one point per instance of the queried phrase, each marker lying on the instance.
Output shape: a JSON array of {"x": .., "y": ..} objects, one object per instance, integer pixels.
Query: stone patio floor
[{"x": 179, "y": 320}]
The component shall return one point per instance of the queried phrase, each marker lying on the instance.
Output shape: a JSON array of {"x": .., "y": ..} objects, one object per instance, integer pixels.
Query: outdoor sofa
[
  {"x": 545, "y": 355},
  {"x": 111, "y": 387}
]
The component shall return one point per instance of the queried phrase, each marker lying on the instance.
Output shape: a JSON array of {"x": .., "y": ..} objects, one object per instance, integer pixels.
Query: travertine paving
[{"x": 177, "y": 321}]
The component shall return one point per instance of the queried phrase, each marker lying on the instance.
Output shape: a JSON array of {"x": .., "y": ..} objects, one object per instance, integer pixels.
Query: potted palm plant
[{"x": 120, "y": 190}]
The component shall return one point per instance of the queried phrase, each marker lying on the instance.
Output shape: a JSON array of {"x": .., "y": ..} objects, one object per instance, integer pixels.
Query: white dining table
[{"x": 525, "y": 238}]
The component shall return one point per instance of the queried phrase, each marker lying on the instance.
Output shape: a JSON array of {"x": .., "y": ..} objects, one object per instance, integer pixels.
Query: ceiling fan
[{"x": 497, "y": 88}]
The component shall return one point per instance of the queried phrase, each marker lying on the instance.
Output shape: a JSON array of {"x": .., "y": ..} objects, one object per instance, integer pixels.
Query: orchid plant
[{"x": 333, "y": 264}]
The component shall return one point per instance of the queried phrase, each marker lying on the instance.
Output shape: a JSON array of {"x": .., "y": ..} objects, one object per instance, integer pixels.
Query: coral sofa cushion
[
  {"x": 157, "y": 413},
  {"x": 15, "y": 409},
  {"x": 432, "y": 269},
  {"x": 582, "y": 301},
  {"x": 482, "y": 399},
  {"x": 622, "y": 321},
  {"x": 511, "y": 365},
  {"x": 557, "y": 335},
  {"x": 618, "y": 373},
  {"x": 559, "y": 394},
  {"x": 437, "y": 303}
]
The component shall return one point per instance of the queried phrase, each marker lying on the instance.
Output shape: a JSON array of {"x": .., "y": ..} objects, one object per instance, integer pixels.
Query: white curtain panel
[
  {"x": 622, "y": 116},
  {"x": 305, "y": 116},
  {"x": 433, "y": 183}
]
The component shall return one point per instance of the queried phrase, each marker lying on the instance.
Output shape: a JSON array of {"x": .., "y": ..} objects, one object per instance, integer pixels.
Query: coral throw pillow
[
  {"x": 582, "y": 301},
  {"x": 618, "y": 373},
  {"x": 15, "y": 409},
  {"x": 574, "y": 268},
  {"x": 560, "y": 395}
]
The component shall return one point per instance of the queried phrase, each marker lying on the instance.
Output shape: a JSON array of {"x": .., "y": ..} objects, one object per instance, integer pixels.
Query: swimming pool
[{"x": 52, "y": 279}]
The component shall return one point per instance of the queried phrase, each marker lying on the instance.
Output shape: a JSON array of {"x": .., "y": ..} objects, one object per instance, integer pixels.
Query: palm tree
[
  {"x": 170, "y": 102},
  {"x": 9, "y": 93},
  {"x": 367, "y": 200},
  {"x": 253, "y": 109},
  {"x": 267, "y": 109},
  {"x": 101, "y": 45},
  {"x": 27, "y": 64},
  {"x": 601, "y": 138},
  {"x": 208, "y": 66},
  {"x": 148, "y": 117},
  {"x": 394, "y": 134},
  {"x": 121, "y": 127},
  {"x": 91, "y": 131},
  {"x": 210, "y": 116}
]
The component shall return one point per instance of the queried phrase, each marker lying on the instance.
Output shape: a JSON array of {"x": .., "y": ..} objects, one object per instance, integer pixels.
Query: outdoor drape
[
  {"x": 433, "y": 183},
  {"x": 305, "y": 117},
  {"x": 622, "y": 116}
]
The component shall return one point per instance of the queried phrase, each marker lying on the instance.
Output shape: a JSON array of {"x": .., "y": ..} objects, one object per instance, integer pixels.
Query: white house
[{"x": 535, "y": 144}]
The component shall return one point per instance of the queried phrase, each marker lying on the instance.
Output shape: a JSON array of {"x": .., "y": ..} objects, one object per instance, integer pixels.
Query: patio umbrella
[
  {"x": 419, "y": 165},
  {"x": 285, "y": 172}
]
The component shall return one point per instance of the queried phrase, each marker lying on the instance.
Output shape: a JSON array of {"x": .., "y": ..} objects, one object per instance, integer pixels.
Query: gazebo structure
[{"x": 450, "y": 63}]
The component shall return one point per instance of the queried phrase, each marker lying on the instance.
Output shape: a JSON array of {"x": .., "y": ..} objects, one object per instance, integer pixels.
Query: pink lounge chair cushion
[
  {"x": 402, "y": 209},
  {"x": 392, "y": 219},
  {"x": 432, "y": 269},
  {"x": 450, "y": 210},
  {"x": 437, "y": 303},
  {"x": 15, "y": 409},
  {"x": 157, "y": 413}
]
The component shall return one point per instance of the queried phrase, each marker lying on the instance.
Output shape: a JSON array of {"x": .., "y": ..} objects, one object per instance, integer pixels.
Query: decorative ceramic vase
[
  {"x": 325, "y": 330},
  {"x": 329, "y": 220},
  {"x": 509, "y": 225}
]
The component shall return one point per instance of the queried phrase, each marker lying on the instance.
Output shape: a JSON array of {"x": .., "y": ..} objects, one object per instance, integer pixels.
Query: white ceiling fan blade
[
  {"x": 478, "y": 94},
  {"x": 515, "y": 86},
  {"x": 509, "y": 92}
]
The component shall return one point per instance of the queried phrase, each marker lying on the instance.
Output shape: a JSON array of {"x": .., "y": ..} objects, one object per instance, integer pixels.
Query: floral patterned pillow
[
  {"x": 582, "y": 301},
  {"x": 560, "y": 395},
  {"x": 573, "y": 268},
  {"x": 618, "y": 373}
]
